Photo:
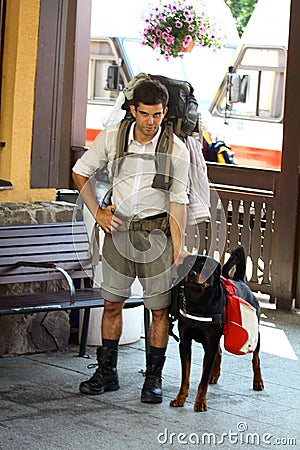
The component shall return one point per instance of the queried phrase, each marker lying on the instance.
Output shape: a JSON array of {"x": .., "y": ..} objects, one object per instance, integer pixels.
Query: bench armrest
[{"x": 54, "y": 267}]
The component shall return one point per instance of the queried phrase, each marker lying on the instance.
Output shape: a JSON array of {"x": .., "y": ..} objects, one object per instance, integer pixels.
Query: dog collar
[{"x": 216, "y": 318}]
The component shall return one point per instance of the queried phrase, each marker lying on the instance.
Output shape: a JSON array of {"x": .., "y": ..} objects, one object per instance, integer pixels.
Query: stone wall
[
  {"x": 37, "y": 332},
  {"x": 38, "y": 212}
]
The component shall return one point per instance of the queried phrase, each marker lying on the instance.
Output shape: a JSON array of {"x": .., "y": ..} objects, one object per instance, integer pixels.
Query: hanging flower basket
[
  {"x": 188, "y": 48},
  {"x": 173, "y": 27}
]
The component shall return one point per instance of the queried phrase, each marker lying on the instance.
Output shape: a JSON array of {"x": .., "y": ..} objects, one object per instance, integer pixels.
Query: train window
[
  {"x": 102, "y": 57},
  {"x": 264, "y": 70}
]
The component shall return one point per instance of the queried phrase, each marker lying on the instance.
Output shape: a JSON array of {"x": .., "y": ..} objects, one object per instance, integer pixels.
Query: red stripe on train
[
  {"x": 257, "y": 157},
  {"x": 246, "y": 156}
]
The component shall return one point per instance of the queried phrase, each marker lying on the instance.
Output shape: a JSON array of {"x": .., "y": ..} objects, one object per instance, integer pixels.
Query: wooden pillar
[
  {"x": 81, "y": 70},
  {"x": 286, "y": 243},
  {"x": 61, "y": 90}
]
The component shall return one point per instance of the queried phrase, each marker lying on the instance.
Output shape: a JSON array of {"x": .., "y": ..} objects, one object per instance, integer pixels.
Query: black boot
[
  {"x": 151, "y": 391},
  {"x": 106, "y": 376}
]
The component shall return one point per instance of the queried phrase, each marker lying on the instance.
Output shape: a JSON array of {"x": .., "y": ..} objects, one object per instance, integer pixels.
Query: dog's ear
[
  {"x": 186, "y": 266},
  {"x": 218, "y": 270},
  {"x": 217, "y": 274},
  {"x": 210, "y": 268}
]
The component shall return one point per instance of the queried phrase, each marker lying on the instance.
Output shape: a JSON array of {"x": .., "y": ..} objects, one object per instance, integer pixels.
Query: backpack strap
[
  {"x": 169, "y": 138},
  {"x": 163, "y": 151},
  {"x": 228, "y": 286},
  {"x": 122, "y": 141},
  {"x": 178, "y": 127},
  {"x": 163, "y": 158}
]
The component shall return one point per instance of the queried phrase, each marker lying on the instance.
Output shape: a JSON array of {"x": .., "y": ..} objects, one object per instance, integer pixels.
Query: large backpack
[
  {"x": 217, "y": 150},
  {"x": 181, "y": 119},
  {"x": 241, "y": 322},
  {"x": 182, "y": 105}
]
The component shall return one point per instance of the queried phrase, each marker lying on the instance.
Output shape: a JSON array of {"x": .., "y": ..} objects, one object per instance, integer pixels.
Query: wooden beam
[{"x": 286, "y": 239}]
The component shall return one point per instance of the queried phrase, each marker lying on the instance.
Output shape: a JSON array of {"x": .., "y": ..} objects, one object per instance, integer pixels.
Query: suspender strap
[
  {"x": 169, "y": 135},
  {"x": 163, "y": 152},
  {"x": 122, "y": 141}
]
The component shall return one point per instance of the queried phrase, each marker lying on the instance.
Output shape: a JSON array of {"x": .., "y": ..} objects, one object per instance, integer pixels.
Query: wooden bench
[{"x": 47, "y": 252}]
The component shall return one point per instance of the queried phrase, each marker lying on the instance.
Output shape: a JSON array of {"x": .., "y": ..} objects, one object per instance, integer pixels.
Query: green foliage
[{"x": 241, "y": 11}]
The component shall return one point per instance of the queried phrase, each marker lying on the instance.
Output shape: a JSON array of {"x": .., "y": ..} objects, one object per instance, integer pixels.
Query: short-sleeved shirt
[{"x": 133, "y": 193}]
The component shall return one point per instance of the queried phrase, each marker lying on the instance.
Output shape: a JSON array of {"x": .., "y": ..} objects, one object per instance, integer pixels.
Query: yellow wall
[{"x": 17, "y": 102}]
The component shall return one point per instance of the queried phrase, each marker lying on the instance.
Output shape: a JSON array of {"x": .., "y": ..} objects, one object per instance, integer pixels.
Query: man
[{"x": 144, "y": 230}]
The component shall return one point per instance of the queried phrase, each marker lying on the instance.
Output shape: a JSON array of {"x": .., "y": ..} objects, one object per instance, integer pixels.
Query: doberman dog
[{"x": 201, "y": 318}]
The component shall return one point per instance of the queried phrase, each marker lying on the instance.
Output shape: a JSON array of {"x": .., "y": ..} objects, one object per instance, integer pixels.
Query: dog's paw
[
  {"x": 214, "y": 379},
  {"x": 258, "y": 385},
  {"x": 177, "y": 401},
  {"x": 200, "y": 406}
]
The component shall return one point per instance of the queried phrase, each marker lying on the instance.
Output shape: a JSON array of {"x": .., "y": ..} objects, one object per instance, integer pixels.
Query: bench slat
[
  {"x": 64, "y": 259},
  {"x": 77, "y": 269},
  {"x": 44, "y": 301},
  {"x": 23, "y": 241},
  {"x": 59, "y": 248},
  {"x": 42, "y": 229},
  {"x": 67, "y": 264},
  {"x": 42, "y": 276}
]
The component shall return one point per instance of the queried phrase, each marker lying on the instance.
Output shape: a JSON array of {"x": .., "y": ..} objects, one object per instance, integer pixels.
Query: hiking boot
[
  {"x": 151, "y": 391},
  {"x": 106, "y": 376}
]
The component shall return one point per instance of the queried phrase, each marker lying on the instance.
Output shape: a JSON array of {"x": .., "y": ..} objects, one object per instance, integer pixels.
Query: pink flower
[
  {"x": 188, "y": 39},
  {"x": 175, "y": 24}
]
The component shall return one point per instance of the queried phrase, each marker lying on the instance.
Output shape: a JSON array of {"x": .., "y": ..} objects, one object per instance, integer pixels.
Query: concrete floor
[{"x": 41, "y": 407}]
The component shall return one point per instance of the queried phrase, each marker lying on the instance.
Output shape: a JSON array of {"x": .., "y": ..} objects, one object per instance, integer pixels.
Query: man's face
[{"x": 148, "y": 119}]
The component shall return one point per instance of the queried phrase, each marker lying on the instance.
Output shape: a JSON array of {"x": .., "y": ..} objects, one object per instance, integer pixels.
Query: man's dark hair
[{"x": 150, "y": 92}]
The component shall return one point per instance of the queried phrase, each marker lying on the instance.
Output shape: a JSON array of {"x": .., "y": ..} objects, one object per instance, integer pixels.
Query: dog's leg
[
  {"x": 216, "y": 372},
  {"x": 185, "y": 350},
  {"x": 258, "y": 384},
  {"x": 200, "y": 404}
]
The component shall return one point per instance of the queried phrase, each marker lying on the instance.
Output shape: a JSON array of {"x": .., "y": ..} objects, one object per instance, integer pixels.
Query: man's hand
[
  {"x": 107, "y": 220},
  {"x": 179, "y": 256}
]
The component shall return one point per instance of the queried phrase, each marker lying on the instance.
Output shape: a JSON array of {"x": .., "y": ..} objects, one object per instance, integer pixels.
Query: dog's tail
[{"x": 237, "y": 259}]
